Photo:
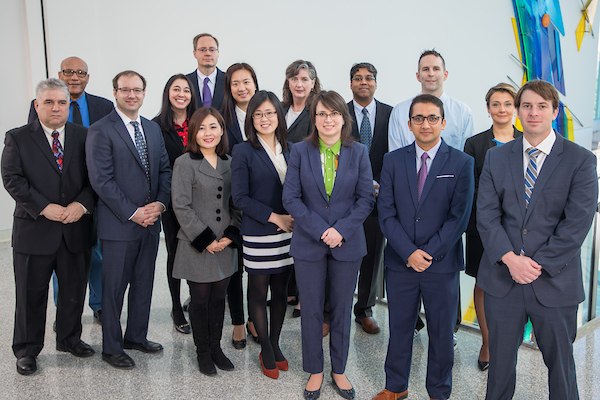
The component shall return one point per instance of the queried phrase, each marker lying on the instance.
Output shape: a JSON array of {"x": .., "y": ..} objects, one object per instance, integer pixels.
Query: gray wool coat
[{"x": 201, "y": 200}]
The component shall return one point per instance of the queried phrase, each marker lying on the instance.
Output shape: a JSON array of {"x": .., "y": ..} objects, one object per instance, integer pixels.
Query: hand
[
  {"x": 153, "y": 211},
  {"x": 376, "y": 190},
  {"x": 419, "y": 260},
  {"x": 54, "y": 212},
  {"x": 214, "y": 247},
  {"x": 522, "y": 269},
  {"x": 284, "y": 222},
  {"x": 73, "y": 212},
  {"x": 332, "y": 238},
  {"x": 224, "y": 242}
]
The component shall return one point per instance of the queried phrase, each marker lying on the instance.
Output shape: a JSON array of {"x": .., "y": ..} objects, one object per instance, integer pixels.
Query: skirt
[{"x": 268, "y": 254}]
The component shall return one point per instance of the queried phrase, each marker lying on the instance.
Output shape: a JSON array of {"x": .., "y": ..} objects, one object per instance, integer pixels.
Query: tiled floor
[{"x": 174, "y": 373}]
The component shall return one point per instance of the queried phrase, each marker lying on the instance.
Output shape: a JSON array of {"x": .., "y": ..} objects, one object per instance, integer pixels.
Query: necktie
[
  {"x": 422, "y": 175},
  {"x": 57, "y": 150},
  {"x": 76, "y": 113},
  {"x": 206, "y": 97},
  {"x": 142, "y": 148},
  {"x": 532, "y": 172},
  {"x": 329, "y": 171},
  {"x": 365, "y": 130}
]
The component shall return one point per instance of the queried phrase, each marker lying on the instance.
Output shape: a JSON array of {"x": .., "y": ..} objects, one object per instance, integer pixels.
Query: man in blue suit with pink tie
[{"x": 424, "y": 206}]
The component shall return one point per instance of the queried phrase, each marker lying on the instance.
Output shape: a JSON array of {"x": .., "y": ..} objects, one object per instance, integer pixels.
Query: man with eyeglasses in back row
[{"x": 208, "y": 81}]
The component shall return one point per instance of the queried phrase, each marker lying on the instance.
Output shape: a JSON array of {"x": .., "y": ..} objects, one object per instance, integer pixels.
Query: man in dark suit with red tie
[
  {"x": 208, "y": 81},
  {"x": 44, "y": 170},
  {"x": 370, "y": 127}
]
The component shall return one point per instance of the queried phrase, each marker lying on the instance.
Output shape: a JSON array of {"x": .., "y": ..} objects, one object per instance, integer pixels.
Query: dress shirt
[
  {"x": 371, "y": 110},
  {"x": 430, "y": 155},
  {"x": 545, "y": 147},
  {"x": 241, "y": 117},
  {"x": 277, "y": 157},
  {"x": 459, "y": 124},
  {"x": 212, "y": 80},
  {"x": 83, "y": 110}
]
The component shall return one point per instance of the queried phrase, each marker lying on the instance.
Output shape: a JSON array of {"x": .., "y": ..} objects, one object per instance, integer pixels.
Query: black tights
[
  {"x": 203, "y": 293},
  {"x": 257, "y": 307}
]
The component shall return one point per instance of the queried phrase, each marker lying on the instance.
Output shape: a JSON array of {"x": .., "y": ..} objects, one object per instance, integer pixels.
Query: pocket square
[{"x": 444, "y": 176}]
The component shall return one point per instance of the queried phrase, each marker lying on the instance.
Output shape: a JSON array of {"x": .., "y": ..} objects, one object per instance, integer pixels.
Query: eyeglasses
[
  {"x": 209, "y": 49},
  {"x": 432, "y": 119},
  {"x": 333, "y": 115},
  {"x": 126, "y": 90},
  {"x": 69, "y": 72},
  {"x": 368, "y": 78},
  {"x": 268, "y": 114}
]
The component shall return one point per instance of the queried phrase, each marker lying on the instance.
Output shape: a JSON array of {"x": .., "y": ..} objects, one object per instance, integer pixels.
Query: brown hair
[
  {"x": 334, "y": 102},
  {"x": 115, "y": 81},
  {"x": 294, "y": 69},
  {"x": 280, "y": 133},
  {"x": 426, "y": 99},
  {"x": 194, "y": 126},
  {"x": 545, "y": 89},
  {"x": 197, "y": 37},
  {"x": 501, "y": 87}
]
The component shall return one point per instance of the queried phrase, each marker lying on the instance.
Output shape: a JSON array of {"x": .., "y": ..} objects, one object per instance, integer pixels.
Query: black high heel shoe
[{"x": 255, "y": 338}]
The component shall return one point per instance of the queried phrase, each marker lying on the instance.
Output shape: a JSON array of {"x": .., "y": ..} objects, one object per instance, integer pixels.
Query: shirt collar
[
  {"x": 370, "y": 107},
  {"x": 126, "y": 119},
  {"x": 49, "y": 131},
  {"x": 82, "y": 101},
  {"x": 431, "y": 152},
  {"x": 545, "y": 145},
  {"x": 211, "y": 77},
  {"x": 335, "y": 148}
]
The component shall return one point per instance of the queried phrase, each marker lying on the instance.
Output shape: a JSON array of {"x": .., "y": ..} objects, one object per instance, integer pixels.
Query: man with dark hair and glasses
[
  {"x": 370, "y": 127},
  {"x": 84, "y": 109},
  {"x": 424, "y": 207},
  {"x": 208, "y": 81}
]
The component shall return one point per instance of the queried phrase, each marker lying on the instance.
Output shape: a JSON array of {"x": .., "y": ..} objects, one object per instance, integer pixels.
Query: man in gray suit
[{"x": 536, "y": 202}]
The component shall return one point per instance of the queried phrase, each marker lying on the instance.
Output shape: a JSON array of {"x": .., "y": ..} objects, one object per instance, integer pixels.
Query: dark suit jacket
[
  {"x": 436, "y": 223},
  {"x": 550, "y": 230},
  {"x": 31, "y": 176},
  {"x": 351, "y": 201},
  {"x": 217, "y": 101},
  {"x": 173, "y": 142},
  {"x": 234, "y": 134},
  {"x": 98, "y": 107},
  {"x": 301, "y": 127},
  {"x": 256, "y": 189},
  {"x": 117, "y": 175},
  {"x": 379, "y": 145}
]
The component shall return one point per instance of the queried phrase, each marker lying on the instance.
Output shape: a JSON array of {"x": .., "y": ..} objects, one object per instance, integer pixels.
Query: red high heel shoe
[
  {"x": 282, "y": 365},
  {"x": 271, "y": 373}
]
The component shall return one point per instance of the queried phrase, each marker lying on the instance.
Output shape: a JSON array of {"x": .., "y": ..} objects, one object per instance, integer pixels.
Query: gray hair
[{"x": 51, "y": 84}]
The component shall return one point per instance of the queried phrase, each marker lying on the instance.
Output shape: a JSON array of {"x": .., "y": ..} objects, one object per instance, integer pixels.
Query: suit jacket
[
  {"x": 436, "y": 223},
  {"x": 234, "y": 134},
  {"x": 301, "y": 127},
  {"x": 550, "y": 230},
  {"x": 379, "y": 145},
  {"x": 98, "y": 107},
  {"x": 32, "y": 178},
  {"x": 256, "y": 189},
  {"x": 117, "y": 176},
  {"x": 173, "y": 142},
  {"x": 351, "y": 201},
  {"x": 217, "y": 101}
]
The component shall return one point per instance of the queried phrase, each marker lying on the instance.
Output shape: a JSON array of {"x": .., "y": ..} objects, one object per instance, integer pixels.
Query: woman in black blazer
[
  {"x": 240, "y": 85},
  {"x": 258, "y": 171},
  {"x": 500, "y": 104},
  {"x": 177, "y": 108}
]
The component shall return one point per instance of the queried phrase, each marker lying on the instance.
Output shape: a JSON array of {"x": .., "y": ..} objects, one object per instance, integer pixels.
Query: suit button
[
  {"x": 220, "y": 188},
  {"x": 218, "y": 219},
  {"x": 218, "y": 196},
  {"x": 418, "y": 219},
  {"x": 62, "y": 195},
  {"x": 327, "y": 206},
  {"x": 524, "y": 231},
  {"x": 218, "y": 211}
]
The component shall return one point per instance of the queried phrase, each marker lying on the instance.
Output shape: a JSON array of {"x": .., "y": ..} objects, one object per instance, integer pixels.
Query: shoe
[
  {"x": 238, "y": 344},
  {"x": 387, "y": 395},
  {"x": 186, "y": 304},
  {"x": 483, "y": 365},
  {"x": 98, "y": 317},
  {"x": 282, "y": 365},
  {"x": 345, "y": 393},
  {"x": 293, "y": 302},
  {"x": 326, "y": 328},
  {"x": 296, "y": 313},
  {"x": 148, "y": 347},
  {"x": 120, "y": 361},
  {"x": 26, "y": 365},
  {"x": 454, "y": 339},
  {"x": 255, "y": 338},
  {"x": 183, "y": 328},
  {"x": 79, "y": 349},
  {"x": 369, "y": 324},
  {"x": 199, "y": 322},
  {"x": 271, "y": 373},
  {"x": 312, "y": 395},
  {"x": 216, "y": 314}
]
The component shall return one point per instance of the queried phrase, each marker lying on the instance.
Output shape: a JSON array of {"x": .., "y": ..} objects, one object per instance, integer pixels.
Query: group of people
[{"x": 245, "y": 182}]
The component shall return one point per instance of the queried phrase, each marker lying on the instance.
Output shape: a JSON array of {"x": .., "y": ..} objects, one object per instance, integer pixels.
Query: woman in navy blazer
[
  {"x": 240, "y": 86},
  {"x": 177, "y": 108},
  {"x": 327, "y": 242},
  {"x": 258, "y": 172}
]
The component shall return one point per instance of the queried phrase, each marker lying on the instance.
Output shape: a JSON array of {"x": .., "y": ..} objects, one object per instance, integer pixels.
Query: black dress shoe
[
  {"x": 121, "y": 361},
  {"x": 148, "y": 347},
  {"x": 98, "y": 317},
  {"x": 79, "y": 349},
  {"x": 255, "y": 338},
  {"x": 483, "y": 365},
  {"x": 312, "y": 394},
  {"x": 26, "y": 365},
  {"x": 345, "y": 393},
  {"x": 182, "y": 328},
  {"x": 238, "y": 344},
  {"x": 296, "y": 313}
]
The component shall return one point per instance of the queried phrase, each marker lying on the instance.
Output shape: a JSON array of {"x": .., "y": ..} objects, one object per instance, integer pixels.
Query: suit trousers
[
  {"x": 555, "y": 329},
  {"x": 127, "y": 263},
  {"x": 369, "y": 268},
  {"x": 32, "y": 276},
  {"x": 311, "y": 277},
  {"x": 440, "y": 297}
]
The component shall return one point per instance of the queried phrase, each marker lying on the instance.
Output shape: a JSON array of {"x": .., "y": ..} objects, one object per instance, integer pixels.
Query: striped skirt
[{"x": 267, "y": 254}]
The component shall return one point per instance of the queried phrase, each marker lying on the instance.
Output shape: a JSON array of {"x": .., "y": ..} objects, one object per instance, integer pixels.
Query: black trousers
[{"x": 370, "y": 268}]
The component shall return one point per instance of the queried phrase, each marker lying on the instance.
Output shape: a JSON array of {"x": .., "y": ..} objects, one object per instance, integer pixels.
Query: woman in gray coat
[{"x": 201, "y": 192}]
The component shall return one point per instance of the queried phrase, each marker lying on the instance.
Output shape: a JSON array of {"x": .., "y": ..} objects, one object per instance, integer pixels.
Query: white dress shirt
[
  {"x": 430, "y": 155},
  {"x": 241, "y": 117},
  {"x": 358, "y": 113},
  {"x": 545, "y": 147},
  {"x": 212, "y": 80}
]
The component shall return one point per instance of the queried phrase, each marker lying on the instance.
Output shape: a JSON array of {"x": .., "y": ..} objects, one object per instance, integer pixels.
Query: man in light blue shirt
[{"x": 459, "y": 119}]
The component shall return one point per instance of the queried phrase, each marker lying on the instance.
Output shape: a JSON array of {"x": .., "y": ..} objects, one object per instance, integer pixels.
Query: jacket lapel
[
  {"x": 411, "y": 172},
  {"x": 262, "y": 154},
  {"x": 345, "y": 155},
  {"x": 68, "y": 146},
  {"x": 380, "y": 125},
  {"x": 122, "y": 131},
  {"x": 314, "y": 157},
  {"x": 39, "y": 138},
  {"x": 518, "y": 177},
  {"x": 303, "y": 114}
]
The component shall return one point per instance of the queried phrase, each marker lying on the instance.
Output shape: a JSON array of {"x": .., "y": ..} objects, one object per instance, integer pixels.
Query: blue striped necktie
[{"x": 532, "y": 172}]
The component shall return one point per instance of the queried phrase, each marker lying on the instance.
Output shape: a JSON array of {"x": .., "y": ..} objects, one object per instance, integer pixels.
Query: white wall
[{"x": 155, "y": 38}]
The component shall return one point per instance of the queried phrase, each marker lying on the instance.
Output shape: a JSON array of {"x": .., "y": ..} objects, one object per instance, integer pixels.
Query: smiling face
[
  {"x": 301, "y": 85},
  {"x": 209, "y": 134},
  {"x": 536, "y": 115},
  {"x": 432, "y": 75},
  {"x": 53, "y": 108},
  {"x": 501, "y": 108},
  {"x": 129, "y": 102},
  {"x": 265, "y": 125},
  {"x": 75, "y": 83},
  {"x": 180, "y": 94},
  {"x": 329, "y": 127},
  {"x": 242, "y": 87},
  {"x": 426, "y": 134}
]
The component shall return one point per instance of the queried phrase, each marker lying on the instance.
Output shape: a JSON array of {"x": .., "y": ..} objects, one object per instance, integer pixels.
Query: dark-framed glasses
[
  {"x": 268, "y": 115},
  {"x": 333, "y": 115},
  {"x": 126, "y": 90},
  {"x": 431, "y": 119},
  {"x": 359, "y": 78},
  {"x": 69, "y": 72}
]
